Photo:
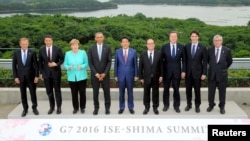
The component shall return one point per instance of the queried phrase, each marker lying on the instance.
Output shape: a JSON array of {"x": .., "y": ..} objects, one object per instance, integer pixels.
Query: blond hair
[{"x": 74, "y": 41}]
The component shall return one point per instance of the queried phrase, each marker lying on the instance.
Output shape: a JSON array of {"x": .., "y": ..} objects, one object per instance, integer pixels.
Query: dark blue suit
[
  {"x": 125, "y": 72},
  {"x": 26, "y": 74},
  {"x": 172, "y": 69}
]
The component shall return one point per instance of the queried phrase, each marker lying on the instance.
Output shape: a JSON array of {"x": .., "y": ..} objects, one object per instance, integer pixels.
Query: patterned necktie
[
  {"x": 173, "y": 52},
  {"x": 24, "y": 57}
]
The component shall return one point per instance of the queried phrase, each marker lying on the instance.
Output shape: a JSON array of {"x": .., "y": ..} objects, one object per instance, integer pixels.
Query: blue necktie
[
  {"x": 193, "y": 51},
  {"x": 173, "y": 52},
  {"x": 24, "y": 57}
]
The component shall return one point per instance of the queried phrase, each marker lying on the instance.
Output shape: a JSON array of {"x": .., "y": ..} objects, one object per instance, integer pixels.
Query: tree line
[
  {"x": 49, "y": 6},
  {"x": 138, "y": 28},
  {"x": 187, "y": 2}
]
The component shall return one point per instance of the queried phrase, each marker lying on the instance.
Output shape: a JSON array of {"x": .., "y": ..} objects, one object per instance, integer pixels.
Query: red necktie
[{"x": 49, "y": 53}]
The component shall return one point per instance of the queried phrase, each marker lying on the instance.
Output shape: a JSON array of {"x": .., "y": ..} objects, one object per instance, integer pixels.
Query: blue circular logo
[{"x": 45, "y": 129}]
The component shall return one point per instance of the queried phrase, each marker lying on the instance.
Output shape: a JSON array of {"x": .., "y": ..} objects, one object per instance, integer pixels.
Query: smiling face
[
  {"x": 125, "y": 43},
  {"x": 173, "y": 37},
  {"x": 48, "y": 42},
  {"x": 74, "y": 47},
  {"x": 24, "y": 43},
  {"x": 99, "y": 38},
  {"x": 150, "y": 44},
  {"x": 217, "y": 41},
  {"x": 194, "y": 38}
]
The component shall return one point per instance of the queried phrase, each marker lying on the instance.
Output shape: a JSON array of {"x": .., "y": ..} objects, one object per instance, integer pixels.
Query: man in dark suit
[
  {"x": 196, "y": 59},
  {"x": 26, "y": 73},
  {"x": 126, "y": 72},
  {"x": 174, "y": 68},
  {"x": 100, "y": 59},
  {"x": 50, "y": 61},
  {"x": 150, "y": 75},
  {"x": 219, "y": 60}
]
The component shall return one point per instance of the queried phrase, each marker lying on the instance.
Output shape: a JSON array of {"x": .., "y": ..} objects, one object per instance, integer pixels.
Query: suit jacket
[
  {"x": 219, "y": 70},
  {"x": 97, "y": 66},
  {"x": 173, "y": 66},
  {"x": 30, "y": 70},
  {"x": 198, "y": 64},
  {"x": 146, "y": 69},
  {"x": 57, "y": 57},
  {"x": 71, "y": 59},
  {"x": 127, "y": 70}
]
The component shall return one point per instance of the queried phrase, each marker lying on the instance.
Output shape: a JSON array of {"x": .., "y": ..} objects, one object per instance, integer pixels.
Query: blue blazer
[
  {"x": 127, "y": 70},
  {"x": 173, "y": 66},
  {"x": 74, "y": 60}
]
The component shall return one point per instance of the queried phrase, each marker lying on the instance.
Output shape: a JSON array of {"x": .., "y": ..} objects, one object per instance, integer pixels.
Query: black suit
[
  {"x": 26, "y": 75},
  {"x": 172, "y": 69},
  {"x": 150, "y": 73},
  {"x": 52, "y": 75},
  {"x": 196, "y": 67},
  {"x": 100, "y": 66},
  {"x": 218, "y": 74}
]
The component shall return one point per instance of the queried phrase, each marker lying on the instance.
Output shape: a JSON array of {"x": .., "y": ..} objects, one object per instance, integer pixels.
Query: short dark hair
[
  {"x": 194, "y": 32},
  {"x": 125, "y": 37},
  {"x": 48, "y": 36}
]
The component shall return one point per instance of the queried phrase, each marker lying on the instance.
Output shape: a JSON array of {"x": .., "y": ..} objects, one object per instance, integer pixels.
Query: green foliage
[
  {"x": 138, "y": 28},
  {"x": 49, "y": 6}
]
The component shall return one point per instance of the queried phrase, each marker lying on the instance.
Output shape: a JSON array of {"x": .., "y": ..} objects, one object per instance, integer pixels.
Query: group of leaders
[{"x": 192, "y": 62}]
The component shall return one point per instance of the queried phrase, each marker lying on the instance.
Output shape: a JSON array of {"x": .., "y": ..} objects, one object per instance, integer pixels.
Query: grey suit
[{"x": 100, "y": 66}]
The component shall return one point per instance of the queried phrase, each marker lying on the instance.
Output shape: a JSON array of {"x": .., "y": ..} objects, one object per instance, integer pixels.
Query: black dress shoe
[
  {"x": 75, "y": 111},
  {"x": 58, "y": 111},
  {"x": 107, "y": 112},
  {"x": 120, "y": 111},
  {"x": 145, "y": 111},
  {"x": 210, "y": 108},
  {"x": 188, "y": 108},
  {"x": 222, "y": 111},
  {"x": 35, "y": 111},
  {"x": 82, "y": 111},
  {"x": 177, "y": 110},
  {"x": 131, "y": 111},
  {"x": 165, "y": 108},
  {"x": 95, "y": 112},
  {"x": 24, "y": 113},
  {"x": 156, "y": 111},
  {"x": 197, "y": 109},
  {"x": 51, "y": 110}
]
